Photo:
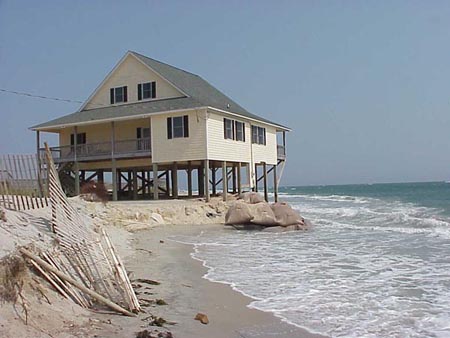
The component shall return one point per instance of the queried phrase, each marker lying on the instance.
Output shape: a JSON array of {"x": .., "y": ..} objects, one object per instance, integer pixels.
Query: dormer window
[
  {"x": 118, "y": 95},
  {"x": 146, "y": 90}
]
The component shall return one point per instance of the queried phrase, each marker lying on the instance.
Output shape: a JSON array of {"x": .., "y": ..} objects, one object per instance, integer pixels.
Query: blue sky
[{"x": 365, "y": 85}]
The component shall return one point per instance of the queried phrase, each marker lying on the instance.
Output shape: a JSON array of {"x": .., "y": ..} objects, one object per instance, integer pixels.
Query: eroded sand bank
[{"x": 143, "y": 240}]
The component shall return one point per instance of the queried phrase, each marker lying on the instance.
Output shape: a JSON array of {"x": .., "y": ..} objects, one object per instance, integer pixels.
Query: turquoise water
[
  {"x": 431, "y": 194},
  {"x": 375, "y": 264}
]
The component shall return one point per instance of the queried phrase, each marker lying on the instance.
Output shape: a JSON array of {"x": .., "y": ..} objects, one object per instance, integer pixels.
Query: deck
[{"x": 134, "y": 148}]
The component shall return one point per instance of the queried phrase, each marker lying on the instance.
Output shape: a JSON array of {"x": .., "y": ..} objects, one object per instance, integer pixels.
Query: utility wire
[
  {"x": 99, "y": 105},
  {"x": 39, "y": 96}
]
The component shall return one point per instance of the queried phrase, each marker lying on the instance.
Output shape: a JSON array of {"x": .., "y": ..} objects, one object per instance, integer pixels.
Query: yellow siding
[
  {"x": 266, "y": 153},
  {"x": 222, "y": 149},
  {"x": 95, "y": 133},
  {"x": 130, "y": 73},
  {"x": 179, "y": 149}
]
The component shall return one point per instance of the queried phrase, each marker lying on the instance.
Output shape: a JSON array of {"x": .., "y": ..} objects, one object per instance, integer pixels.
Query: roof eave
[
  {"x": 121, "y": 118},
  {"x": 277, "y": 126}
]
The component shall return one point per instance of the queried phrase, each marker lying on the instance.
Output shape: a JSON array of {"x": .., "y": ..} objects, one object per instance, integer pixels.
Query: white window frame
[
  {"x": 115, "y": 89},
  {"x": 236, "y": 131},
  {"x": 260, "y": 135},
  {"x": 152, "y": 94}
]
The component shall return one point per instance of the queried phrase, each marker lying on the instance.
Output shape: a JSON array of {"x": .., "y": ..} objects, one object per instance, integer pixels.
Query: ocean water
[{"x": 375, "y": 264}]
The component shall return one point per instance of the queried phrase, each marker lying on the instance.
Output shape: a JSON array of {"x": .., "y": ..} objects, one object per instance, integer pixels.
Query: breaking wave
[{"x": 370, "y": 267}]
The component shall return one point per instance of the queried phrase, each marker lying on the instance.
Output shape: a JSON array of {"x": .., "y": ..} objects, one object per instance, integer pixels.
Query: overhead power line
[{"x": 39, "y": 96}]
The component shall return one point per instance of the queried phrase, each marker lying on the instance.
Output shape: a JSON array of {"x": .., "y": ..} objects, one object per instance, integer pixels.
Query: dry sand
[{"x": 136, "y": 232}]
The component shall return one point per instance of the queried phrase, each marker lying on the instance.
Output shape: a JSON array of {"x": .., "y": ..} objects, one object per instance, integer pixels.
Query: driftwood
[{"x": 75, "y": 283}]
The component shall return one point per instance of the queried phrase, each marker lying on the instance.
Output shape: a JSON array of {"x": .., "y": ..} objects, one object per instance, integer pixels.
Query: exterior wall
[
  {"x": 222, "y": 149},
  {"x": 266, "y": 153},
  {"x": 130, "y": 73},
  {"x": 179, "y": 149},
  {"x": 124, "y": 130}
]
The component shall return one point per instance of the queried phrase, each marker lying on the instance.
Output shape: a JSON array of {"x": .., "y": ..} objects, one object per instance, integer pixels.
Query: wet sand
[{"x": 187, "y": 293}]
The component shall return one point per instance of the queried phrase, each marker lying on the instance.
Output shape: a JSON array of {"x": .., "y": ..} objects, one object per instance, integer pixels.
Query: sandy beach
[
  {"x": 145, "y": 243},
  {"x": 187, "y": 293}
]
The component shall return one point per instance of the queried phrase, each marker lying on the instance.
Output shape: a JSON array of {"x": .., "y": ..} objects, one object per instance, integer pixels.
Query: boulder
[
  {"x": 251, "y": 197},
  {"x": 238, "y": 213},
  {"x": 285, "y": 215},
  {"x": 263, "y": 215}
]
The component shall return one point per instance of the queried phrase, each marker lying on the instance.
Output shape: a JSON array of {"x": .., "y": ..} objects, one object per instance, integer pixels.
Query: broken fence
[{"x": 22, "y": 183}]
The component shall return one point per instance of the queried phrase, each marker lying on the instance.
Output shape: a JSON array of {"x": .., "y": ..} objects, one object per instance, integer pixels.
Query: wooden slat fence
[
  {"x": 22, "y": 183},
  {"x": 86, "y": 255}
]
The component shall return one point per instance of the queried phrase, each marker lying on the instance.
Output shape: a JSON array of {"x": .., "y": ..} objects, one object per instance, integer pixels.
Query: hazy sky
[{"x": 365, "y": 85}]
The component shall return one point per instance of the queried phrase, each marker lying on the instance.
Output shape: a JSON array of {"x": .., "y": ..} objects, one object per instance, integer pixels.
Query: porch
[{"x": 121, "y": 149}]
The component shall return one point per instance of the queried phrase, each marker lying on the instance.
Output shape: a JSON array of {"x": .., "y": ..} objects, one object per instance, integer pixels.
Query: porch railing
[
  {"x": 102, "y": 150},
  {"x": 281, "y": 152}
]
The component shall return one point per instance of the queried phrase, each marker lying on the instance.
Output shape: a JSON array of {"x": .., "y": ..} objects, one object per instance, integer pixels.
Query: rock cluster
[{"x": 251, "y": 211}]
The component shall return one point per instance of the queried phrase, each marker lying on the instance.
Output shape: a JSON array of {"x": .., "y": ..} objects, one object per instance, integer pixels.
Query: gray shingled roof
[{"x": 199, "y": 94}]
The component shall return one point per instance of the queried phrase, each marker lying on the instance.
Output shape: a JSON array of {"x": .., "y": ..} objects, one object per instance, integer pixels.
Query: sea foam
[{"x": 368, "y": 268}]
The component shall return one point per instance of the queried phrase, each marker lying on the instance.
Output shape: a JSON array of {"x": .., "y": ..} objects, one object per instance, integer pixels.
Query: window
[
  {"x": 118, "y": 94},
  {"x": 240, "y": 131},
  {"x": 228, "y": 129},
  {"x": 258, "y": 135},
  {"x": 146, "y": 90},
  {"x": 81, "y": 139},
  {"x": 233, "y": 130},
  {"x": 177, "y": 127},
  {"x": 143, "y": 138}
]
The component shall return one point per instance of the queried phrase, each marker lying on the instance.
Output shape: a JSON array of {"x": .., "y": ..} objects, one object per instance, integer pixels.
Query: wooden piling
[
  {"x": 189, "y": 178},
  {"x": 266, "y": 192},
  {"x": 175, "y": 180},
  {"x": 201, "y": 181},
  {"x": 207, "y": 180},
  {"x": 239, "y": 178},
  {"x": 255, "y": 188},
  {"x": 214, "y": 180},
  {"x": 224, "y": 180},
  {"x": 155, "y": 181}
]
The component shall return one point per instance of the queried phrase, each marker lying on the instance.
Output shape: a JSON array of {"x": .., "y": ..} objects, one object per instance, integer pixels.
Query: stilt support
[
  {"x": 224, "y": 180},
  {"x": 275, "y": 183},
  {"x": 175, "y": 180},
  {"x": 155, "y": 182},
  {"x": 115, "y": 180},
  {"x": 207, "y": 180},
  {"x": 239, "y": 178},
  {"x": 189, "y": 178},
  {"x": 266, "y": 192}
]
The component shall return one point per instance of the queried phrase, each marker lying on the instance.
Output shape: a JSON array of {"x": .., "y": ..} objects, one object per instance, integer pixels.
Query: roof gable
[
  {"x": 130, "y": 71},
  {"x": 189, "y": 91}
]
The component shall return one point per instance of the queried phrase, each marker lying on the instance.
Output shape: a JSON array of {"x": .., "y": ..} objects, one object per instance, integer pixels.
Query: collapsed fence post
[{"x": 77, "y": 284}]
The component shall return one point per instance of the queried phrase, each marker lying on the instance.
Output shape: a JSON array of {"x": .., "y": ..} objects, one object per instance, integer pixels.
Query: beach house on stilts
[{"x": 150, "y": 128}]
